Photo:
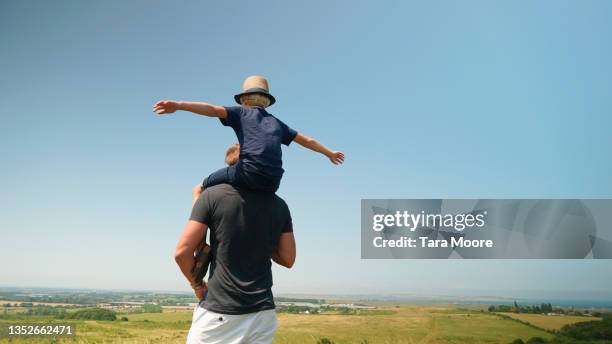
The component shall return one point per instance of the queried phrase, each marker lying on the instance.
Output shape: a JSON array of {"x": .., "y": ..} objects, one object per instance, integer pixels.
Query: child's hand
[
  {"x": 336, "y": 157},
  {"x": 165, "y": 106}
]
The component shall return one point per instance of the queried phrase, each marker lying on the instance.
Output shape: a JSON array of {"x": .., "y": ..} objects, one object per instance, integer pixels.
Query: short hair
[
  {"x": 254, "y": 99},
  {"x": 232, "y": 154}
]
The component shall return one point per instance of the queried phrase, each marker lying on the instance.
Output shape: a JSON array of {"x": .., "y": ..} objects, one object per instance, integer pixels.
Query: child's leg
[
  {"x": 237, "y": 177},
  {"x": 257, "y": 182},
  {"x": 222, "y": 176}
]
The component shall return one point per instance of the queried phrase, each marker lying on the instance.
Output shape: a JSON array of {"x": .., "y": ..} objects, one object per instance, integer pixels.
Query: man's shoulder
[
  {"x": 220, "y": 190},
  {"x": 224, "y": 190},
  {"x": 278, "y": 201},
  {"x": 281, "y": 204}
]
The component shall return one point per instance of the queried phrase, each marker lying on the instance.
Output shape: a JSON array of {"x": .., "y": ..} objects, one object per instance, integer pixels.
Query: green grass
[
  {"x": 166, "y": 316},
  {"x": 390, "y": 324},
  {"x": 548, "y": 322},
  {"x": 482, "y": 327},
  {"x": 406, "y": 325}
]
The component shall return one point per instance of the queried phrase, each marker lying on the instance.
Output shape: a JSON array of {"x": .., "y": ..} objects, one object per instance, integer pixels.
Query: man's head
[{"x": 232, "y": 154}]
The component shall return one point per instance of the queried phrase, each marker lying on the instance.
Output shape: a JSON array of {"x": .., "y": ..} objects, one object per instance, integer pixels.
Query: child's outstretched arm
[
  {"x": 336, "y": 157},
  {"x": 169, "y": 106}
]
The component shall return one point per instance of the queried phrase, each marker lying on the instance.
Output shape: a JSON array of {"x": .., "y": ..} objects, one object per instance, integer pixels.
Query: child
[{"x": 260, "y": 136}]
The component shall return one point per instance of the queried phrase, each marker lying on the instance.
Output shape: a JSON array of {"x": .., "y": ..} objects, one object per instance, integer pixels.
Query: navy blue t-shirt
[{"x": 260, "y": 136}]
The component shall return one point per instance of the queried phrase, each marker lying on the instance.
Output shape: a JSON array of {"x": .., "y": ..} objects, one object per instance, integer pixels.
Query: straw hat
[{"x": 255, "y": 84}]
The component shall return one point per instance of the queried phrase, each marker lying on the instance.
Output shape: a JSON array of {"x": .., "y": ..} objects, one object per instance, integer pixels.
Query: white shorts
[{"x": 253, "y": 328}]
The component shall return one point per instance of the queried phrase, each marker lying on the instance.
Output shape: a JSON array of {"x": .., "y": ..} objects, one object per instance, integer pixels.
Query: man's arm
[
  {"x": 336, "y": 157},
  {"x": 192, "y": 236},
  {"x": 285, "y": 251},
  {"x": 170, "y": 106}
]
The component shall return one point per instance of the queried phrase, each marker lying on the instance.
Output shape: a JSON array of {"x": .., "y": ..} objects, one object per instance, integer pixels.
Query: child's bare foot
[{"x": 197, "y": 190}]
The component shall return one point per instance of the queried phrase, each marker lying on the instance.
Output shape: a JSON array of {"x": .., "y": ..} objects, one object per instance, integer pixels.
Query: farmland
[
  {"x": 149, "y": 317},
  {"x": 385, "y": 324},
  {"x": 549, "y": 322}
]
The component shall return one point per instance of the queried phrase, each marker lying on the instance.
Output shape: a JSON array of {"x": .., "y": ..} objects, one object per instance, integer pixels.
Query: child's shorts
[{"x": 236, "y": 176}]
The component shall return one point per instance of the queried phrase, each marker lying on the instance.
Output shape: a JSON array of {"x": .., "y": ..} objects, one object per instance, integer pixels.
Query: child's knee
[{"x": 197, "y": 189}]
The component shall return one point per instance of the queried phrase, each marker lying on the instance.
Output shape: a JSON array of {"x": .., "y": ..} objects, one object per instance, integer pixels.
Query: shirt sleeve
[
  {"x": 288, "y": 133},
  {"x": 288, "y": 227},
  {"x": 201, "y": 211},
  {"x": 233, "y": 116}
]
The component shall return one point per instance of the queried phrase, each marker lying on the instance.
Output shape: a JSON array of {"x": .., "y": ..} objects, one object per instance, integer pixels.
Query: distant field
[
  {"x": 166, "y": 316},
  {"x": 38, "y": 303},
  {"x": 170, "y": 330},
  {"x": 404, "y": 324},
  {"x": 549, "y": 322}
]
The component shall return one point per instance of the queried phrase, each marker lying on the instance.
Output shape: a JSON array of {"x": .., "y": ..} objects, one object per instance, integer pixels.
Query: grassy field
[
  {"x": 406, "y": 325},
  {"x": 549, "y": 322},
  {"x": 391, "y": 324}
]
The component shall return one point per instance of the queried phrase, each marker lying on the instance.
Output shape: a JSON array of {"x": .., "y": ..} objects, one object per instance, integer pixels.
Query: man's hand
[
  {"x": 200, "y": 290},
  {"x": 165, "y": 106},
  {"x": 336, "y": 157}
]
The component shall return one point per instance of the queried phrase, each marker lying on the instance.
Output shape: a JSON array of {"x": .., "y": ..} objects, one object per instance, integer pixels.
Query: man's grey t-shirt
[{"x": 245, "y": 227}]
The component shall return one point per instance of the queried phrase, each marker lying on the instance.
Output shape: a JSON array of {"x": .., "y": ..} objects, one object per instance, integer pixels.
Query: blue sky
[{"x": 428, "y": 99}]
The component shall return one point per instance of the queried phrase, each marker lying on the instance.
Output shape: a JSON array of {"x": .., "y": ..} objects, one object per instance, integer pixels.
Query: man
[{"x": 248, "y": 230}]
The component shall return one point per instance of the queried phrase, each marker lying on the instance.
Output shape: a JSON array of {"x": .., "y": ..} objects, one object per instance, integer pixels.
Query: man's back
[{"x": 244, "y": 231}]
